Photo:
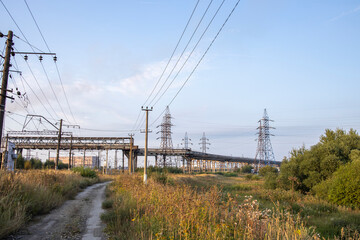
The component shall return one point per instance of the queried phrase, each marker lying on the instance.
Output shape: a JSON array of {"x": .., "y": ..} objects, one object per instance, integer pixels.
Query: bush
[
  {"x": 85, "y": 172},
  {"x": 270, "y": 180},
  {"x": 20, "y": 162},
  {"x": 344, "y": 187},
  {"x": 27, "y": 165},
  {"x": 49, "y": 164},
  {"x": 267, "y": 169},
  {"x": 246, "y": 169}
]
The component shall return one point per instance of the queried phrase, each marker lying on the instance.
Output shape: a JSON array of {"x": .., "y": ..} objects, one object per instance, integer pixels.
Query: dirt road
[{"x": 75, "y": 219}]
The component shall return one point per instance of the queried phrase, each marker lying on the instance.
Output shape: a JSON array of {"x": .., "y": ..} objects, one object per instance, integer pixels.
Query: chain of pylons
[
  {"x": 264, "y": 149},
  {"x": 165, "y": 136}
]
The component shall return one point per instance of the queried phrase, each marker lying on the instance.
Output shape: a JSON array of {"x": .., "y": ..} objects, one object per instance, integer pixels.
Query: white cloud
[{"x": 344, "y": 14}]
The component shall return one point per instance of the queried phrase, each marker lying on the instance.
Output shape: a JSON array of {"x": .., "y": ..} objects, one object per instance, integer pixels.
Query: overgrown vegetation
[
  {"x": 329, "y": 169},
  {"x": 28, "y": 193},
  {"x": 179, "y": 211},
  {"x": 85, "y": 172}
]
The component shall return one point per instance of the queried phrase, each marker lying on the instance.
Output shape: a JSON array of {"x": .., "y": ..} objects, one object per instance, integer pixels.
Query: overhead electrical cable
[
  {"x": 32, "y": 15},
  {"x": 177, "y": 44},
  {"x": 52, "y": 89},
  {"x": 164, "y": 70},
  {"x": 38, "y": 98},
  {"x": 191, "y": 53},
  {"x": 202, "y": 57},
  {"x": 57, "y": 69},
  {"x": 180, "y": 57}
]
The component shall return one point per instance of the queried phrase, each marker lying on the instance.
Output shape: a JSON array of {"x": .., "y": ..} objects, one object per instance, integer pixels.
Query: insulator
[
  {"x": 40, "y": 58},
  {"x": 55, "y": 58},
  {"x": 18, "y": 93},
  {"x": 26, "y": 57},
  {"x": 12, "y": 54}
]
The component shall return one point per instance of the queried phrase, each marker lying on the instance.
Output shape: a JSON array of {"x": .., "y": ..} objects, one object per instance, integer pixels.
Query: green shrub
[
  {"x": 267, "y": 169},
  {"x": 85, "y": 172},
  {"x": 344, "y": 187},
  {"x": 271, "y": 180},
  {"x": 160, "y": 177},
  {"x": 246, "y": 169}
]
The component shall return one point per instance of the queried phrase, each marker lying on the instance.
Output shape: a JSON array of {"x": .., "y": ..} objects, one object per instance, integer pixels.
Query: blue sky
[{"x": 298, "y": 59}]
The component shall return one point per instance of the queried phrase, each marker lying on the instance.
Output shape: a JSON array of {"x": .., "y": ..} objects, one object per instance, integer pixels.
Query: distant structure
[
  {"x": 264, "y": 149},
  {"x": 78, "y": 161},
  {"x": 186, "y": 142},
  {"x": 204, "y": 142},
  {"x": 165, "y": 136}
]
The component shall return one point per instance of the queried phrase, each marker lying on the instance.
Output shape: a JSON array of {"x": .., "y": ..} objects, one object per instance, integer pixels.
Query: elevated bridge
[
  {"x": 199, "y": 161},
  {"x": 191, "y": 160}
]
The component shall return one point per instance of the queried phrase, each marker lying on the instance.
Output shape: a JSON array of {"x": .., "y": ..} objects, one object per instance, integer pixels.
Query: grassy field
[
  {"x": 27, "y": 193},
  {"x": 208, "y": 206}
]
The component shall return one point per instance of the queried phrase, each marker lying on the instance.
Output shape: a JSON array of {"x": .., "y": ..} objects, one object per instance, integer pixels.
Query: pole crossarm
[{"x": 77, "y": 143}]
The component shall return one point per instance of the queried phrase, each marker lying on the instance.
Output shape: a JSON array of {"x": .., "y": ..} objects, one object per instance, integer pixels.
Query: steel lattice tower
[
  {"x": 264, "y": 149},
  {"x": 186, "y": 141},
  {"x": 165, "y": 135},
  {"x": 204, "y": 142}
]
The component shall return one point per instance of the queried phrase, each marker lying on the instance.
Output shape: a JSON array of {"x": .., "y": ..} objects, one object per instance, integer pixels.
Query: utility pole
[
  {"x": 123, "y": 167},
  {"x": 4, "y": 82},
  {"x": 58, "y": 146},
  {"x": 130, "y": 164},
  {"x": 70, "y": 152},
  {"x": 116, "y": 163},
  {"x": 4, "y": 154},
  {"x": 146, "y": 141}
]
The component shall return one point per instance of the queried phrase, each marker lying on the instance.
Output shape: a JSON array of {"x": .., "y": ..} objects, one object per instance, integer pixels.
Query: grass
[
  {"x": 25, "y": 194},
  {"x": 220, "y": 206},
  {"x": 192, "y": 209}
]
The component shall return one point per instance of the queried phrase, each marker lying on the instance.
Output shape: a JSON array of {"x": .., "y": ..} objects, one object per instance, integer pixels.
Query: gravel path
[{"x": 75, "y": 219}]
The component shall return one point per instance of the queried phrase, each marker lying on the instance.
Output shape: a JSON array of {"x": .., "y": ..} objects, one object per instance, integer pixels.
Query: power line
[
  {"x": 202, "y": 57},
  {"x": 41, "y": 90},
  {"x": 104, "y": 130},
  {"x": 57, "y": 100},
  {"x": 192, "y": 51},
  {"x": 57, "y": 69},
  {"x": 182, "y": 34},
  {"x": 37, "y": 25},
  {"x": 185, "y": 50},
  {"x": 37, "y": 97},
  {"x": 67, "y": 100}
]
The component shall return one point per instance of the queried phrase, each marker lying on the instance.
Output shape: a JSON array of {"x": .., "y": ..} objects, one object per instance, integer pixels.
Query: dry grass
[
  {"x": 178, "y": 211},
  {"x": 28, "y": 193}
]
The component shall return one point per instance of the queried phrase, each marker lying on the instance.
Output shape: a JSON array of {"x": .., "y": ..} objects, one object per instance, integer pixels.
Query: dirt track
[{"x": 75, "y": 219}]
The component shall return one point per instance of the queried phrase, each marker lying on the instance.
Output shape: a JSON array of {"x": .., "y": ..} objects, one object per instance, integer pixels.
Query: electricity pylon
[
  {"x": 264, "y": 149},
  {"x": 204, "y": 142},
  {"x": 186, "y": 141},
  {"x": 166, "y": 144}
]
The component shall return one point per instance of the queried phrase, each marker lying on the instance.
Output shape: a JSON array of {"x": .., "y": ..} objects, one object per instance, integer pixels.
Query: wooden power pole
[
  {"x": 58, "y": 146},
  {"x": 4, "y": 82}
]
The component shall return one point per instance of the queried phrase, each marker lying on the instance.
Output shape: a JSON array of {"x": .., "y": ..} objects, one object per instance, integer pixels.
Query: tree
[
  {"x": 20, "y": 162},
  {"x": 307, "y": 168}
]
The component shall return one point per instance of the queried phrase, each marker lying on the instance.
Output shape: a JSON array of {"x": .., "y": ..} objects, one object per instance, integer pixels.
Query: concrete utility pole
[
  {"x": 70, "y": 152},
  {"x": 146, "y": 141},
  {"x": 4, "y": 82},
  {"x": 130, "y": 164},
  {"x": 58, "y": 146}
]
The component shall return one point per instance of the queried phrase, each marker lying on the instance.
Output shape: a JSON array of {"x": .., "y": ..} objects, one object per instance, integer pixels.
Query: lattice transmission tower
[
  {"x": 204, "y": 142},
  {"x": 166, "y": 144},
  {"x": 264, "y": 149},
  {"x": 186, "y": 142}
]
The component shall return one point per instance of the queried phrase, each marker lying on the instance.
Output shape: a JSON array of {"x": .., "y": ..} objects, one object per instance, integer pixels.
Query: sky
[{"x": 297, "y": 59}]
